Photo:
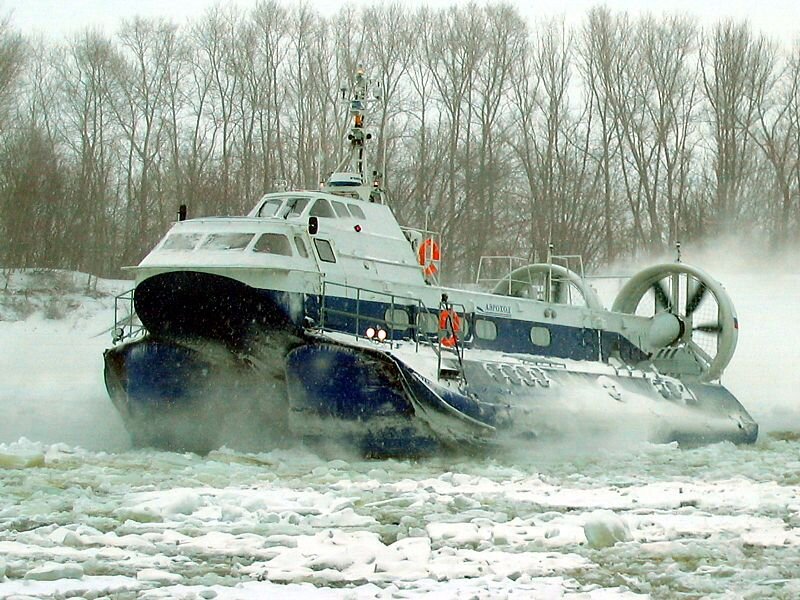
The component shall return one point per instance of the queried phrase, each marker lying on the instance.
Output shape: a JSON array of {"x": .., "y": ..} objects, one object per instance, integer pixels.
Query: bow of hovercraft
[{"x": 217, "y": 308}]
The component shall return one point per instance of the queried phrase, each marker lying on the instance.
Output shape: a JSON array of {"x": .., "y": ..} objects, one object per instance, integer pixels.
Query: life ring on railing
[
  {"x": 429, "y": 254},
  {"x": 450, "y": 323}
]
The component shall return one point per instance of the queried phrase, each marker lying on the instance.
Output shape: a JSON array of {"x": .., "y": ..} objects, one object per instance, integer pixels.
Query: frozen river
[{"x": 83, "y": 515}]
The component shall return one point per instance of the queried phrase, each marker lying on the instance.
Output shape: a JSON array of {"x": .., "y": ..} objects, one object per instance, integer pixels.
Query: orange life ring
[
  {"x": 450, "y": 322},
  {"x": 428, "y": 255}
]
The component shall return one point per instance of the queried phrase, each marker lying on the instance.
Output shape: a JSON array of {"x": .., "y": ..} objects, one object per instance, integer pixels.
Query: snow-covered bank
[{"x": 54, "y": 326}]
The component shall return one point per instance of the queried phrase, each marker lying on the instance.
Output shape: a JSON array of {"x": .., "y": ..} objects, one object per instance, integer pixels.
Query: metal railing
[
  {"x": 418, "y": 331},
  {"x": 362, "y": 321},
  {"x": 127, "y": 326},
  {"x": 494, "y": 269}
]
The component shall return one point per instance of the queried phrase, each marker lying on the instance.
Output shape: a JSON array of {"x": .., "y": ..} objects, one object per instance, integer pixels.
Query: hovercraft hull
[{"x": 377, "y": 402}]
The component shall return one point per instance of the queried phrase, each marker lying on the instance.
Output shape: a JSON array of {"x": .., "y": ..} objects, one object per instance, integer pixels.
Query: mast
[{"x": 353, "y": 176}]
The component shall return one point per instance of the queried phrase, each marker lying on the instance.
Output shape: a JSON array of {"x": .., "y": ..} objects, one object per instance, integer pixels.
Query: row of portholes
[
  {"x": 517, "y": 375},
  {"x": 487, "y": 330},
  {"x": 428, "y": 323}
]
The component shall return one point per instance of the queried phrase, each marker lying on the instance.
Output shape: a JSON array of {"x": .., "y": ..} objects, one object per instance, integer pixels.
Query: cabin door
[
  {"x": 330, "y": 265},
  {"x": 334, "y": 300}
]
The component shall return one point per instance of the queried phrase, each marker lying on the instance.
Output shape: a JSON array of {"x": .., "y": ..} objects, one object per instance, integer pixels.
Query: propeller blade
[
  {"x": 696, "y": 298},
  {"x": 662, "y": 298},
  {"x": 709, "y": 328}
]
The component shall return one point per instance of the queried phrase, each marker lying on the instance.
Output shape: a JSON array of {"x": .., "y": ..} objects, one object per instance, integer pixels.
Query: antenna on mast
[{"x": 353, "y": 176}]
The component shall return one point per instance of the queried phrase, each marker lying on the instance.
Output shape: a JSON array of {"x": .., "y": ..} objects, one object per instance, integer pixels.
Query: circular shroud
[
  {"x": 550, "y": 283},
  {"x": 709, "y": 326}
]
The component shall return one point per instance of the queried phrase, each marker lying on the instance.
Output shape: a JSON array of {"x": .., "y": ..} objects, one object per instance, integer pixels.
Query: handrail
[
  {"x": 128, "y": 326},
  {"x": 506, "y": 267},
  {"x": 391, "y": 325},
  {"x": 395, "y": 300}
]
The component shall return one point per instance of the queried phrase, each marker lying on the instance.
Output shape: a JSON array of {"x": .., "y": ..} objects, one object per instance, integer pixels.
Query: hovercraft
[{"x": 317, "y": 317}]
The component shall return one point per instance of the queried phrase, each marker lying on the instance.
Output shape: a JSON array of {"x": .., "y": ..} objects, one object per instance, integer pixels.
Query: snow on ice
[{"x": 84, "y": 515}]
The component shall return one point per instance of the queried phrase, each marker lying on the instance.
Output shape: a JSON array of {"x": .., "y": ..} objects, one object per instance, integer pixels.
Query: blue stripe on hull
[{"x": 513, "y": 335}]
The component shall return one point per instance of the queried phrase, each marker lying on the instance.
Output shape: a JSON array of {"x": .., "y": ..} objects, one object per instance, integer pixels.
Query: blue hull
[
  {"x": 175, "y": 397},
  {"x": 502, "y": 404}
]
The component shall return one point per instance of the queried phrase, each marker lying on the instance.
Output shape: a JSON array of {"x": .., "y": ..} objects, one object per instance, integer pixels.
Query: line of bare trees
[{"x": 612, "y": 138}]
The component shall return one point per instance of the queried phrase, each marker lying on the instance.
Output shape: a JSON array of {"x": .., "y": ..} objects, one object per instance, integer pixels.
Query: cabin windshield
[
  {"x": 322, "y": 208},
  {"x": 181, "y": 241},
  {"x": 273, "y": 243},
  {"x": 227, "y": 241},
  {"x": 295, "y": 207},
  {"x": 270, "y": 207}
]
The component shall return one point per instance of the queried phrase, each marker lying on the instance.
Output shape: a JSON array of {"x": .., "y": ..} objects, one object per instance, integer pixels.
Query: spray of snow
[{"x": 764, "y": 288}]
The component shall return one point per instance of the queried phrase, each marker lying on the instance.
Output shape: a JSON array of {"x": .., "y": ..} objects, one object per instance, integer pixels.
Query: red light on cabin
[{"x": 357, "y": 228}]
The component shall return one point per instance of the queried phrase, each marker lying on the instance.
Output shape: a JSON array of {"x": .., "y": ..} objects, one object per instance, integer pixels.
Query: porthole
[
  {"x": 485, "y": 329},
  {"x": 396, "y": 318},
  {"x": 540, "y": 336},
  {"x": 427, "y": 323}
]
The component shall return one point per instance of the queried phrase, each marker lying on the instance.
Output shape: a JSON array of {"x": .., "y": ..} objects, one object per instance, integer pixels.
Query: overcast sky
[{"x": 778, "y": 18}]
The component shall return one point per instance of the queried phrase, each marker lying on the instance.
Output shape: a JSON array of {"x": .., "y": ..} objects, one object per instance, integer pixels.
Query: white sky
[{"x": 777, "y": 18}]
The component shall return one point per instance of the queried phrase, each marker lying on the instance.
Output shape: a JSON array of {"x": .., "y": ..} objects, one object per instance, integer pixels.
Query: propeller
[
  {"x": 708, "y": 328},
  {"x": 662, "y": 298},
  {"x": 693, "y": 301},
  {"x": 689, "y": 310}
]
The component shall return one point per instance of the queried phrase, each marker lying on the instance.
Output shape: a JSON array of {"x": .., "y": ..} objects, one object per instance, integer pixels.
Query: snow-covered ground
[{"x": 83, "y": 515}]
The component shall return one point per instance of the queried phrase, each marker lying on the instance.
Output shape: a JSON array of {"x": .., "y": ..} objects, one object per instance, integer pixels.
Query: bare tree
[
  {"x": 736, "y": 68},
  {"x": 552, "y": 147},
  {"x": 141, "y": 108},
  {"x": 271, "y": 37},
  {"x": 777, "y": 133},
  {"x": 215, "y": 37}
]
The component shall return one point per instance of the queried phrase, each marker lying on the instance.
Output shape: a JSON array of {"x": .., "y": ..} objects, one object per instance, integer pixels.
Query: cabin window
[
  {"x": 181, "y": 241},
  {"x": 270, "y": 207},
  {"x": 227, "y": 241},
  {"x": 295, "y": 207},
  {"x": 397, "y": 319},
  {"x": 428, "y": 323},
  {"x": 324, "y": 250},
  {"x": 341, "y": 209},
  {"x": 344, "y": 194},
  {"x": 301, "y": 246},
  {"x": 540, "y": 336},
  {"x": 485, "y": 330},
  {"x": 356, "y": 211},
  {"x": 322, "y": 208},
  {"x": 273, "y": 243}
]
